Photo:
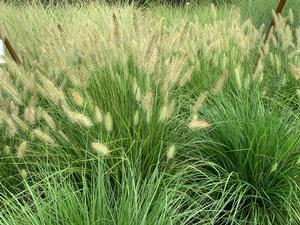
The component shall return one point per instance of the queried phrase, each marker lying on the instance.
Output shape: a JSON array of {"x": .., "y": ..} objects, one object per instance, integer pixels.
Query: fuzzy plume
[
  {"x": 38, "y": 133},
  {"x": 20, "y": 123},
  {"x": 199, "y": 102},
  {"x": 98, "y": 115},
  {"x": 50, "y": 91},
  {"x": 47, "y": 118},
  {"x": 78, "y": 118},
  {"x": 21, "y": 150},
  {"x": 136, "y": 118},
  {"x": 147, "y": 101},
  {"x": 30, "y": 115},
  {"x": 136, "y": 90},
  {"x": 116, "y": 31},
  {"x": 100, "y": 148},
  {"x": 166, "y": 111},
  {"x": 108, "y": 121},
  {"x": 6, "y": 150},
  {"x": 218, "y": 86},
  {"x": 171, "y": 151},
  {"x": 295, "y": 71},
  {"x": 76, "y": 97},
  {"x": 186, "y": 77},
  {"x": 12, "y": 128},
  {"x": 238, "y": 76},
  {"x": 196, "y": 123},
  {"x": 23, "y": 173}
]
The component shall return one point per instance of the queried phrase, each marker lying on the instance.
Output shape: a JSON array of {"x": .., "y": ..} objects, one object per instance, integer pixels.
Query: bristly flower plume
[
  {"x": 100, "y": 148},
  {"x": 196, "y": 123},
  {"x": 108, "y": 122},
  {"x": 171, "y": 151}
]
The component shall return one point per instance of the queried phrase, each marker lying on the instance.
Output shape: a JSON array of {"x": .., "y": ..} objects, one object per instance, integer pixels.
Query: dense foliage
[
  {"x": 134, "y": 2},
  {"x": 120, "y": 116}
]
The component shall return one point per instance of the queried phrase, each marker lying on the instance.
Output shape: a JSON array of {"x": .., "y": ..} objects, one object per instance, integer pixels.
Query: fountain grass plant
[{"x": 136, "y": 120}]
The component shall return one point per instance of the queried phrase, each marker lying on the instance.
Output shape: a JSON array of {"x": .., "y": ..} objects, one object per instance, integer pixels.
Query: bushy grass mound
[{"x": 116, "y": 117}]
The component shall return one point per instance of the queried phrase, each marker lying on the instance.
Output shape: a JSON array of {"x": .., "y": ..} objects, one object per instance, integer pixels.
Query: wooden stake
[
  {"x": 59, "y": 27},
  {"x": 11, "y": 51},
  {"x": 272, "y": 24},
  {"x": 279, "y": 9}
]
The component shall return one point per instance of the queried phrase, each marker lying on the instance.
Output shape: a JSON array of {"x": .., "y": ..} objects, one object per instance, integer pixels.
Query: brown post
[
  {"x": 11, "y": 50},
  {"x": 59, "y": 27},
  {"x": 272, "y": 24}
]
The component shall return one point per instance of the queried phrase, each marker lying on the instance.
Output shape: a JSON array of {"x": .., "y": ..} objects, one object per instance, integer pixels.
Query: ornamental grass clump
[
  {"x": 210, "y": 136},
  {"x": 256, "y": 144}
]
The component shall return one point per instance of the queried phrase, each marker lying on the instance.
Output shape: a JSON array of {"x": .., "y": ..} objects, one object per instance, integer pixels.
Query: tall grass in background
[
  {"x": 119, "y": 116},
  {"x": 260, "y": 12}
]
